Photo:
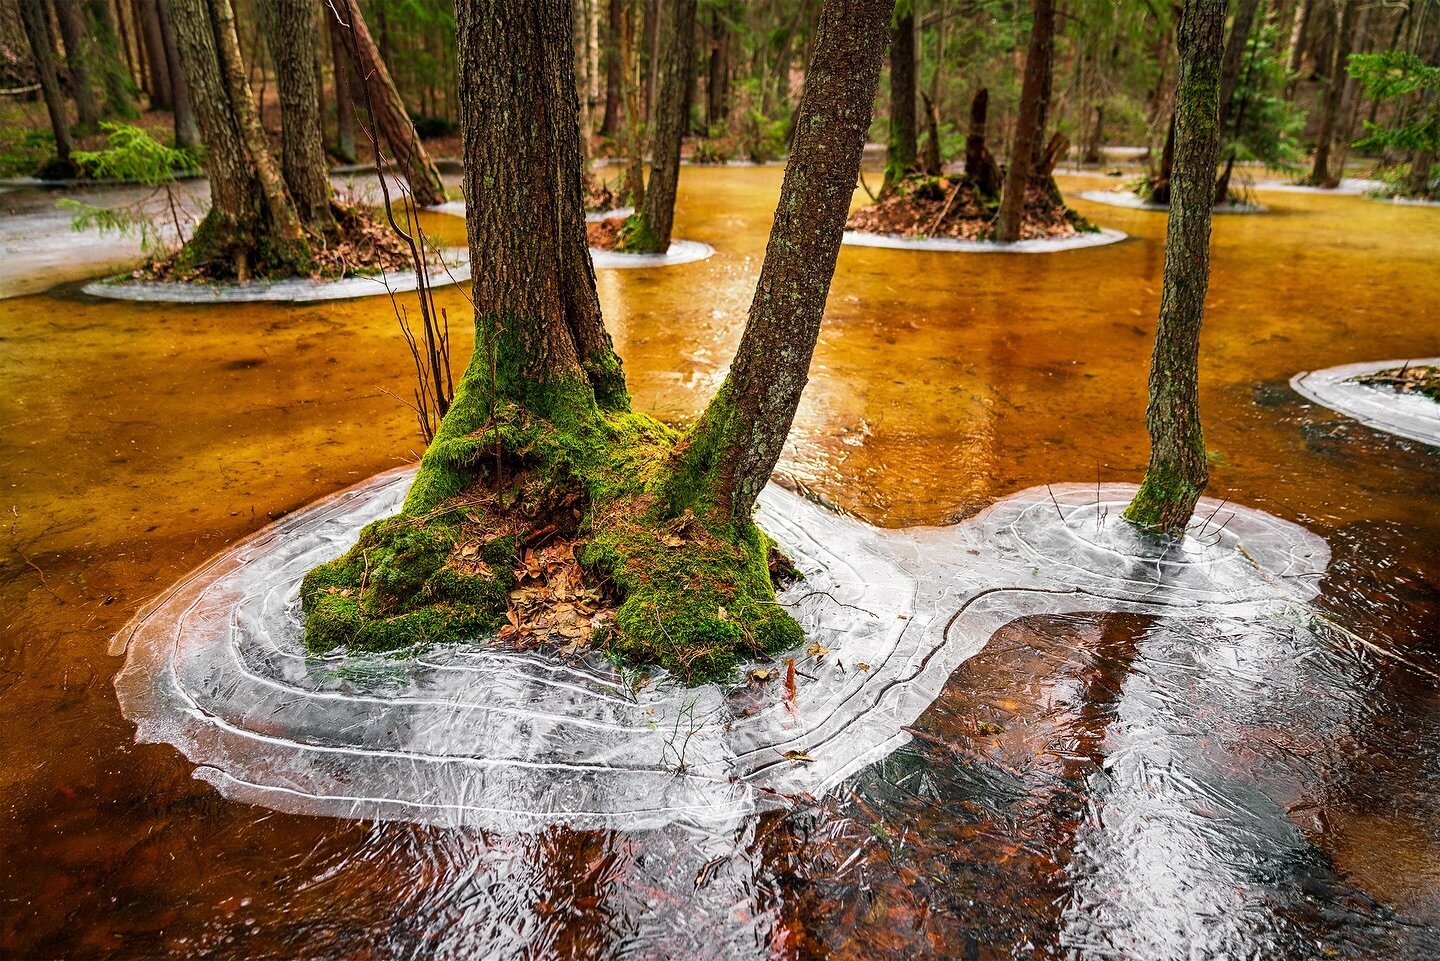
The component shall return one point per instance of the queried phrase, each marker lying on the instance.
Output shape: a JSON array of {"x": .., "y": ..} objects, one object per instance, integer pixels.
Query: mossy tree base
[
  {"x": 1163, "y": 506},
  {"x": 691, "y": 594}
]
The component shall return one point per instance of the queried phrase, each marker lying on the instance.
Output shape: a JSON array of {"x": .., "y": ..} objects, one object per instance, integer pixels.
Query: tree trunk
[
  {"x": 717, "y": 85},
  {"x": 634, "y": 116},
  {"x": 1298, "y": 33},
  {"x": 396, "y": 128},
  {"x": 930, "y": 159},
  {"x": 79, "y": 57},
  {"x": 251, "y": 224},
  {"x": 650, "y": 228},
  {"x": 111, "y": 61},
  {"x": 161, "y": 97},
  {"x": 290, "y": 31},
  {"x": 900, "y": 153},
  {"x": 610, "y": 121},
  {"x": 344, "y": 94},
  {"x": 42, "y": 49},
  {"x": 1027, "y": 127},
  {"x": 1334, "y": 92},
  {"x": 1096, "y": 138},
  {"x": 980, "y": 167},
  {"x": 187, "y": 133},
  {"x": 728, "y": 457},
  {"x": 1177, "y": 472},
  {"x": 1234, "y": 56}
]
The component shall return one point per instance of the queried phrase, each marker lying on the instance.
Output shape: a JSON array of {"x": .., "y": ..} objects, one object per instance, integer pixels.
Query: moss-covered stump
[
  {"x": 953, "y": 207},
  {"x": 494, "y": 505}
]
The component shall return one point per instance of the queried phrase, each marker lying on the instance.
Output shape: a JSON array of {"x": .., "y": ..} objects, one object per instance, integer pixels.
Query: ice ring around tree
[
  {"x": 462, "y": 735},
  {"x": 296, "y": 290},
  {"x": 1410, "y": 415},
  {"x": 1130, "y": 200},
  {"x": 679, "y": 252},
  {"x": 1039, "y": 245}
]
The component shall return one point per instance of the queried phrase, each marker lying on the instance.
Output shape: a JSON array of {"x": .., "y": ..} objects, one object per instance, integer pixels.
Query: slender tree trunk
[
  {"x": 290, "y": 32},
  {"x": 980, "y": 167},
  {"x": 1177, "y": 472},
  {"x": 1027, "y": 130},
  {"x": 42, "y": 49},
  {"x": 187, "y": 133},
  {"x": 396, "y": 128},
  {"x": 650, "y": 228},
  {"x": 634, "y": 115},
  {"x": 79, "y": 57},
  {"x": 727, "y": 459},
  {"x": 1234, "y": 57},
  {"x": 1298, "y": 33},
  {"x": 1334, "y": 92},
  {"x": 251, "y": 224},
  {"x": 112, "y": 62},
  {"x": 717, "y": 85},
  {"x": 653, "y": 17},
  {"x": 344, "y": 94},
  {"x": 900, "y": 153},
  {"x": 610, "y": 121},
  {"x": 161, "y": 97},
  {"x": 930, "y": 156}
]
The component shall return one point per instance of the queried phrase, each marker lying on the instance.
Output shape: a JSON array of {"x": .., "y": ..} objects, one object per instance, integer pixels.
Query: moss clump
[
  {"x": 1165, "y": 501},
  {"x": 635, "y": 237},
  {"x": 692, "y": 590}
]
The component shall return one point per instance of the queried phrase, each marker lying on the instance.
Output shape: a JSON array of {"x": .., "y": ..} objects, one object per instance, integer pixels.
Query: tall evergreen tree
[
  {"x": 542, "y": 415},
  {"x": 42, "y": 50},
  {"x": 1177, "y": 472},
  {"x": 1029, "y": 127},
  {"x": 291, "y": 28},
  {"x": 901, "y": 151}
]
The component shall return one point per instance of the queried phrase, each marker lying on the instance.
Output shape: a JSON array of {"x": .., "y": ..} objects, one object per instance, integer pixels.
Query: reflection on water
[{"x": 1152, "y": 789}]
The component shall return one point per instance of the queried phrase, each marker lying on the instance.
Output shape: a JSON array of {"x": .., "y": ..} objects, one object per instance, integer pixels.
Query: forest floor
[
  {"x": 1421, "y": 379},
  {"x": 951, "y": 207}
]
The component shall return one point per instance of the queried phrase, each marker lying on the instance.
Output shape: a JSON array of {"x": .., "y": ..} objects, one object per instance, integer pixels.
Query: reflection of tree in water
[{"x": 1081, "y": 785}]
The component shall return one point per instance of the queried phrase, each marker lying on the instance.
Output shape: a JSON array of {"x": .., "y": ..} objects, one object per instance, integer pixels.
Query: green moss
[
  {"x": 1164, "y": 502},
  {"x": 636, "y": 237},
  {"x": 693, "y": 590}
]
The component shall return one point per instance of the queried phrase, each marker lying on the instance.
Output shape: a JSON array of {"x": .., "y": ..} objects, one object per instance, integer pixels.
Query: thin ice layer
[
  {"x": 1039, "y": 245},
  {"x": 1408, "y": 415},
  {"x": 462, "y": 735},
  {"x": 1133, "y": 201},
  {"x": 290, "y": 290}
]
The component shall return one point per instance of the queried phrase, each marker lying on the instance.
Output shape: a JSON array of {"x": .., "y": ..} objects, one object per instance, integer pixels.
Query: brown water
[{"x": 138, "y": 440}]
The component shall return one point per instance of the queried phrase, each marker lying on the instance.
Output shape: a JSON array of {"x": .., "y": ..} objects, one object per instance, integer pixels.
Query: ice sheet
[
  {"x": 1101, "y": 238},
  {"x": 464, "y": 736},
  {"x": 1408, "y": 415},
  {"x": 1133, "y": 201}
]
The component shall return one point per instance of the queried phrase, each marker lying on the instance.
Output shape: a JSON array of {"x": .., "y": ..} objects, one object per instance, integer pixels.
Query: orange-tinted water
[{"x": 139, "y": 439}]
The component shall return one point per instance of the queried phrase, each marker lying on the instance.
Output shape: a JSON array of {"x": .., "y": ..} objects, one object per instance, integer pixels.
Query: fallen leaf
[
  {"x": 816, "y": 649},
  {"x": 800, "y": 756}
]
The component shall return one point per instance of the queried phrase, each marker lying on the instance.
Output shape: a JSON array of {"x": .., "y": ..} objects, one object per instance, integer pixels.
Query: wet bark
[
  {"x": 290, "y": 31},
  {"x": 148, "y": 14},
  {"x": 1335, "y": 75},
  {"x": 187, "y": 131},
  {"x": 537, "y": 313},
  {"x": 344, "y": 95},
  {"x": 656, "y": 217},
  {"x": 900, "y": 153},
  {"x": 78, "y": 60},
  {"x": 1177, "y": 472},
  {"x": 1027, "y": 129},
  {"x": 980, "y": 168},
  {"x": 396, "y": 129},
  {"x": 727, "y": 459},
  {"x": 42, "y": 49}
]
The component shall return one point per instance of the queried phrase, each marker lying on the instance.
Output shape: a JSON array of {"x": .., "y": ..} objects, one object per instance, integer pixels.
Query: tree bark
[
  {"x": 1177, "y": 472},
  {"x": 980, "y": 168},
  {"x": 717, "y": 85},
  {"x": 728, "y": 457},
  {"x": 1334, "y": 92},
  {"x": 42, "y": 48},
  {"x": 396, "y": 128},
  {"x": 251, "y": 223},
  {"x": 1234, "y": 56},
  {"x": 900, "y": 153},
  {"x": 290, "y": 31},
  {"x": 111, "y": 61},
  {"x": 649, "y": 231},
  {"x": 610, "y": 120},
  {"x": 930, "y": 157},
  {"x": 79, "y": 57},
  {"x": 161, "y": 97},
  {"x": 187, "y": 133},
  {"x": 1027, "y": 127},
  {"x": 344, "y": 94}
]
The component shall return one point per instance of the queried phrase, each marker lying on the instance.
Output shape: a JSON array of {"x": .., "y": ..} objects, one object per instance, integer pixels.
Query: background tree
[
  {"x": 42, "y": 50},
  {"x": 1177, "y": 472},
  {"x": 291, "y": 30},
  {"x": 1396, "y": 76},
  {"x": 541, "y": 420},
  {"x": 1320, "y": 173},
  {"x": 79, "y": 54},
  {"x": 648, "y": 230},
  {"x": 902, "y": 149},
  {"x": 1029, "y": 129},
  {"x": 396, "y": 127}
]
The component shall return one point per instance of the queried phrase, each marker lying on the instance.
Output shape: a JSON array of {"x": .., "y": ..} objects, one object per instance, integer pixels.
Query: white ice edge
[
  {"x": 1349, "y": 187},
  {"x": 1132, "y": 201},
  {"x": 680, "y": 252},
  {"x": 1407, "y": 415},
  {"x": 464, "y": 736},
  {"x": 290, "y": 290},
  {"x": 1103, "y": 237}
]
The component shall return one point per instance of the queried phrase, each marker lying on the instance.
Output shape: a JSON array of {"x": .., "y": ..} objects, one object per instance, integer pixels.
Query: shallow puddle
[{"x": 1087, "y": 786}]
